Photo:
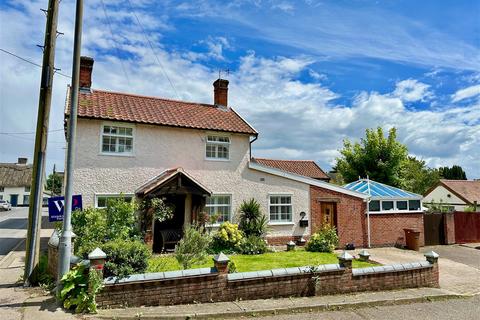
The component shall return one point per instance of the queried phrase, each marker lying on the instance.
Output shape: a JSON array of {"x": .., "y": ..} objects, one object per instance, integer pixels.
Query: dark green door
[{"x": 14, "y": 200}]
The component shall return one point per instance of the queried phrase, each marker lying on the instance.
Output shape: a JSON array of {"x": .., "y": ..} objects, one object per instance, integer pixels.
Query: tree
[
  {"x": 453, "y": 173},
  {"x": 376, "y": 156},
  {"x": 54, "y": 183},
  {"x": 416, "y": 177}
]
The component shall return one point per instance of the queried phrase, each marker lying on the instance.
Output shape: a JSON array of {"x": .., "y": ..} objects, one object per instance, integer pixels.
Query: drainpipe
[
  {"x": 252, "y": 141},
  {"x": 368, "y": 221}
]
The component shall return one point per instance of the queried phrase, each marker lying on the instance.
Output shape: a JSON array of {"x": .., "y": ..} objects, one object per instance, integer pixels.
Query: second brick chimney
[
  {"x": 220, "y": 92},
  {"x": 86, "y": 67}
]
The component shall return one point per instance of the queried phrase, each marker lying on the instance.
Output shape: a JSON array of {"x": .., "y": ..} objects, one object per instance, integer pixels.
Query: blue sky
[{"x": 306, "y": 74}]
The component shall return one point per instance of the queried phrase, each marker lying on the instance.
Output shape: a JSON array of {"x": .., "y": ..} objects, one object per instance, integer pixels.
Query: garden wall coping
[
  {"x": 167, "y": 275},
  {"x": 392, "y": 268},
  {"x": 282, "y": 272}
]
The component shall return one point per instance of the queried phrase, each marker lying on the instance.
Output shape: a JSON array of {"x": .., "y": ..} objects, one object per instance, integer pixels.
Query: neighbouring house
[
  {"x": 454, "y": 195},
  {"x": 197, "y": 157},
  {"x": 15, "y": 181},
  {"x": 390, "y": 211}
]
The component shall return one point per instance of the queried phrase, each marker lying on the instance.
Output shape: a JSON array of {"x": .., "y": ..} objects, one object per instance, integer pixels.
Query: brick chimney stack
[
  {"x": 220, "y": 92},
  {"x": 22, "y": 160},
  {"x": 86, "y": 67}
]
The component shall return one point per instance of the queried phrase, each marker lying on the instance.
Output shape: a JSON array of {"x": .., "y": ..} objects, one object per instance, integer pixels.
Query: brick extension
[{"x": 385, "y": 229}]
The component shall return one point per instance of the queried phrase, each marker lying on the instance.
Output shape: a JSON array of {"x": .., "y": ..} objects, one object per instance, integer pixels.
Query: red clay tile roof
[
  {"x": 127, "y": 107},
  {"x": 467, "y": 189},
  {"x": 306, "y": 168}
]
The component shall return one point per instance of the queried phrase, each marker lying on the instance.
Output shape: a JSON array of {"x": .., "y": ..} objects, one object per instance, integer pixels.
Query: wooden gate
[
  {"x": 434, "y": 230},
  {"x": 467, "y": 227}
]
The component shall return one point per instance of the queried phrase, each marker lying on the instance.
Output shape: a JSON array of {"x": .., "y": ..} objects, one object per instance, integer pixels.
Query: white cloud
[
  {"x": 411, "y": 90},
  {"x": 295, "y": 119},
  {"x": 466, "y": 93}
]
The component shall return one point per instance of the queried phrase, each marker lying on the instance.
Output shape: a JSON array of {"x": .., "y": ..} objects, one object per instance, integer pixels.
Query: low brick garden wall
[{"x": 216, "y": 284}]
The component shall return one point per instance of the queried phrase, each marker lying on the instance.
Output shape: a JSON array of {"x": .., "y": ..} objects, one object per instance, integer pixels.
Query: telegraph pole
[
  {"x": 39, "y": 157},
  {"x": 65, "y": 245}
]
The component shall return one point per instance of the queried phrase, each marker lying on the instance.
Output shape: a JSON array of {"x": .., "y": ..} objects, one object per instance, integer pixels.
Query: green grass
[{"x": 272, "y": 260}]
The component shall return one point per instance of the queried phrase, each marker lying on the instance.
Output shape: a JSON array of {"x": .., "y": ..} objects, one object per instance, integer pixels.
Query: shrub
[
  {"x": 324, "y": 240},
  {"x": 125, "y": 257},
  {"x": 227, "y": 239},
  {"x": 79, "y": 289},
  {"x": 95, "y": 226},
  {"x": 192, "y": 248},
  {"x": 251, "y": 220},
  {"x": 253, "y": 245}
]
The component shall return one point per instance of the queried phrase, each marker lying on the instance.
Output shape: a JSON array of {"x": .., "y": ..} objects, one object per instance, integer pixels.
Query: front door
[
  {"x": 329, "y": 217},
  {"x": 14, "y": 200}
]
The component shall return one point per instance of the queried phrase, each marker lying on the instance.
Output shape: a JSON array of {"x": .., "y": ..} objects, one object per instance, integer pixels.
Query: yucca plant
[{"x": 251, "y": 220}]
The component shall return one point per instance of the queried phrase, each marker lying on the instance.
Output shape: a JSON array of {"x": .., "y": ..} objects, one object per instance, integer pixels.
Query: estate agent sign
[{"x": 56, "y": 206}]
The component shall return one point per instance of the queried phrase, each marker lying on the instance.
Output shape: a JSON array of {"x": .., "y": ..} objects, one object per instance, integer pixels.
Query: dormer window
[
  {"x": 117, "y": 139},
  {"x": 217, "y": 147}
]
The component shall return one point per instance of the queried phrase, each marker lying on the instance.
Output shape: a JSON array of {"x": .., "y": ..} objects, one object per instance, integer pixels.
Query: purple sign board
[{"x": 56, "y": 207}]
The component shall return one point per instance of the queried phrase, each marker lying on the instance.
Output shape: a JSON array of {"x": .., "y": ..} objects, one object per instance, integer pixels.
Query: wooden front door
[{"x": 329, "y": 217}]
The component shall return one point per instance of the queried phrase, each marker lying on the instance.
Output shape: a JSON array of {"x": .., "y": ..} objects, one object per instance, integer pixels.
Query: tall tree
[
  {"x": 54, "y": 183},
  {"x": 375, "y": 156},
  {"x": 416, "y": 177},
  {"x": 453, "y": 173}
]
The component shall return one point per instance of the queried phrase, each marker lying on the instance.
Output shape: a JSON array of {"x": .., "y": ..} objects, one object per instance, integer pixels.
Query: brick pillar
[
  {"x": 432, "y": 258},
  {"x": 97, "y": 259},
  {"x": 345, "y": 260},
  {"x": 221, "y": 263},
  {"x": 449, "y": 227}
]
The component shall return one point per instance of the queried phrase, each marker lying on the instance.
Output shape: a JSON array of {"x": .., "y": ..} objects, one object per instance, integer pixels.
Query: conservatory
[{"x": 387, "y": 199}]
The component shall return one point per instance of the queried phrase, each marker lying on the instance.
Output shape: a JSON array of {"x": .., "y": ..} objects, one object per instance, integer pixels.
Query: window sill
[
  {"x": 215, "y": 159},
  {"x": 129, "y": 155},
  {"x": 395, "y": 212},
  {"x": 281, "y": 223}
]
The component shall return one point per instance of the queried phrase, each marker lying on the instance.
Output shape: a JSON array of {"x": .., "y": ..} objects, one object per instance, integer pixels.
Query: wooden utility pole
[{"x": 40, "y": 152}]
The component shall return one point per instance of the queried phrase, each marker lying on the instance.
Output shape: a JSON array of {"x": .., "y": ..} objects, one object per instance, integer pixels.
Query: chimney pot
[
  {"x": 22, "y": 160},
  {"x": 220, "y": 92},
  {"x": 86, "y": 67}
]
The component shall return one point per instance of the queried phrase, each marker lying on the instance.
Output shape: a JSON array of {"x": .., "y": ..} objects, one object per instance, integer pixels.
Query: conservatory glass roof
[{"x": 379, "y": 190}]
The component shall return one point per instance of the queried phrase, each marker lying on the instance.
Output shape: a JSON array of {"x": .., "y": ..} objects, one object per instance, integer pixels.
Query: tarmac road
[{"x": 461, "y": 309}]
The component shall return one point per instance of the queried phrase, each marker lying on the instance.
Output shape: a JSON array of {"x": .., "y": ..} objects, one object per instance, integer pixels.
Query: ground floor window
[
  {"x": 280, "y": 208},
  {"x": 26, "y": 199},
  {"x": 101, "y": 200},
  {"x": 219, "y": 206},
  {"x": 413, "y": 205},
  {"x": 384, "y": 206}
]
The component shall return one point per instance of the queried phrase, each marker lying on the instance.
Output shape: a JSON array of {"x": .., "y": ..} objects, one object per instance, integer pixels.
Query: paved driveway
[{"x": 458, "y": 266}]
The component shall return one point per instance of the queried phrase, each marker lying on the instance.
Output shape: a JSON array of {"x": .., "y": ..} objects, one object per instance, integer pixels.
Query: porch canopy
[
  {"x": 387, "y": 199},
  {"x": 172, "y": 181}
]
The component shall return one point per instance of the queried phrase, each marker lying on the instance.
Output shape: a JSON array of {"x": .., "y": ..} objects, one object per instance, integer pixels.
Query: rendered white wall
[
  {"x": 441, "y": 193},
  {"x": 158, "y": 148}
]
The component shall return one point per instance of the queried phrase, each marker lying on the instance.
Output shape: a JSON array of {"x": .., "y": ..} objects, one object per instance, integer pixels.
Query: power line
[
  {"x": 31, "y": 62},
  {"x": 153, "y": 51},
  {"x": 32, "y": 139},
  {"x": 33, "y": 132},
  {"x": 113, "y": 38}
]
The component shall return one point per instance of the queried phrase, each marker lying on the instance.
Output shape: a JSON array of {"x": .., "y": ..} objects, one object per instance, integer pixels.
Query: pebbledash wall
[
  {"x": 215, "y": 284},
  {"x": 157, "y": 148},
  {"x": 385, "y": 229}
]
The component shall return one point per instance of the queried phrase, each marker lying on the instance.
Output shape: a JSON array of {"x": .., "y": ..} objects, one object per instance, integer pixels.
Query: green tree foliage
[
  {"x": 453, "y": 173},
  {"x": 192, "y": 248},
  {"x": 376, "y": 156},
  {"x": 416, "y": 177},
  {"x": 251, "y": 219},
  {"x": 54, "y": 184}
]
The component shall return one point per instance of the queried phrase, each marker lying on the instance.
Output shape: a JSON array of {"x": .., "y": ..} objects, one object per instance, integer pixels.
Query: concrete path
[
  {"x": 18, "y": 303},
  {"x": 455, "y": 276}
]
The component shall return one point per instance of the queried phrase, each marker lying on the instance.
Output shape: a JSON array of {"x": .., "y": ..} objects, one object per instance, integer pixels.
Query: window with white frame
[
  {"x": 387, "y": 205},
  {"x": 117, "y": 139},
  {"x": 101, "y": 200},
  {"x": 414, "y": 205},
  {"x": 402, "y": 205},
  {"x": 392, "y": 206},
  {"x": 220, "y": 206},
  {"x": 26, "y": 199},
  {"x": 217, "y": 147},
  {"x": 2, "y": 189},
  {"x": 280, "y": 208},
  {"x": 374, "y": 205},
  {"x": 27, "y": 189}
]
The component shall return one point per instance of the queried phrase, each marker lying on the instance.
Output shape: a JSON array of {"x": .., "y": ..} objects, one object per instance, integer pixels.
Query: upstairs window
[
  {"x": 2, "y": 189},
  {"x": 280, "y": 208},
  {"x": 217, "y": 147},
  {"x": 117, "y": 140},
  {"x": 219, "y": 206},
  {"x": 27, "y": 189}
]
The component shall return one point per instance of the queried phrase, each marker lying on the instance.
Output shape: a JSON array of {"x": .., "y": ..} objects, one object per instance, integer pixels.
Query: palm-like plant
[{"x": 251, "y": 219}]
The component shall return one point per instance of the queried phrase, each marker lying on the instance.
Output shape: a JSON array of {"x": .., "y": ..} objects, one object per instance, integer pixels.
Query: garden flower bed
[{"x": 266, "y": 261}]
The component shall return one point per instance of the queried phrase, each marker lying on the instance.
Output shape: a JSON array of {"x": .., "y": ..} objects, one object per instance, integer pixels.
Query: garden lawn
[{"x": 266, "y": 261}]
